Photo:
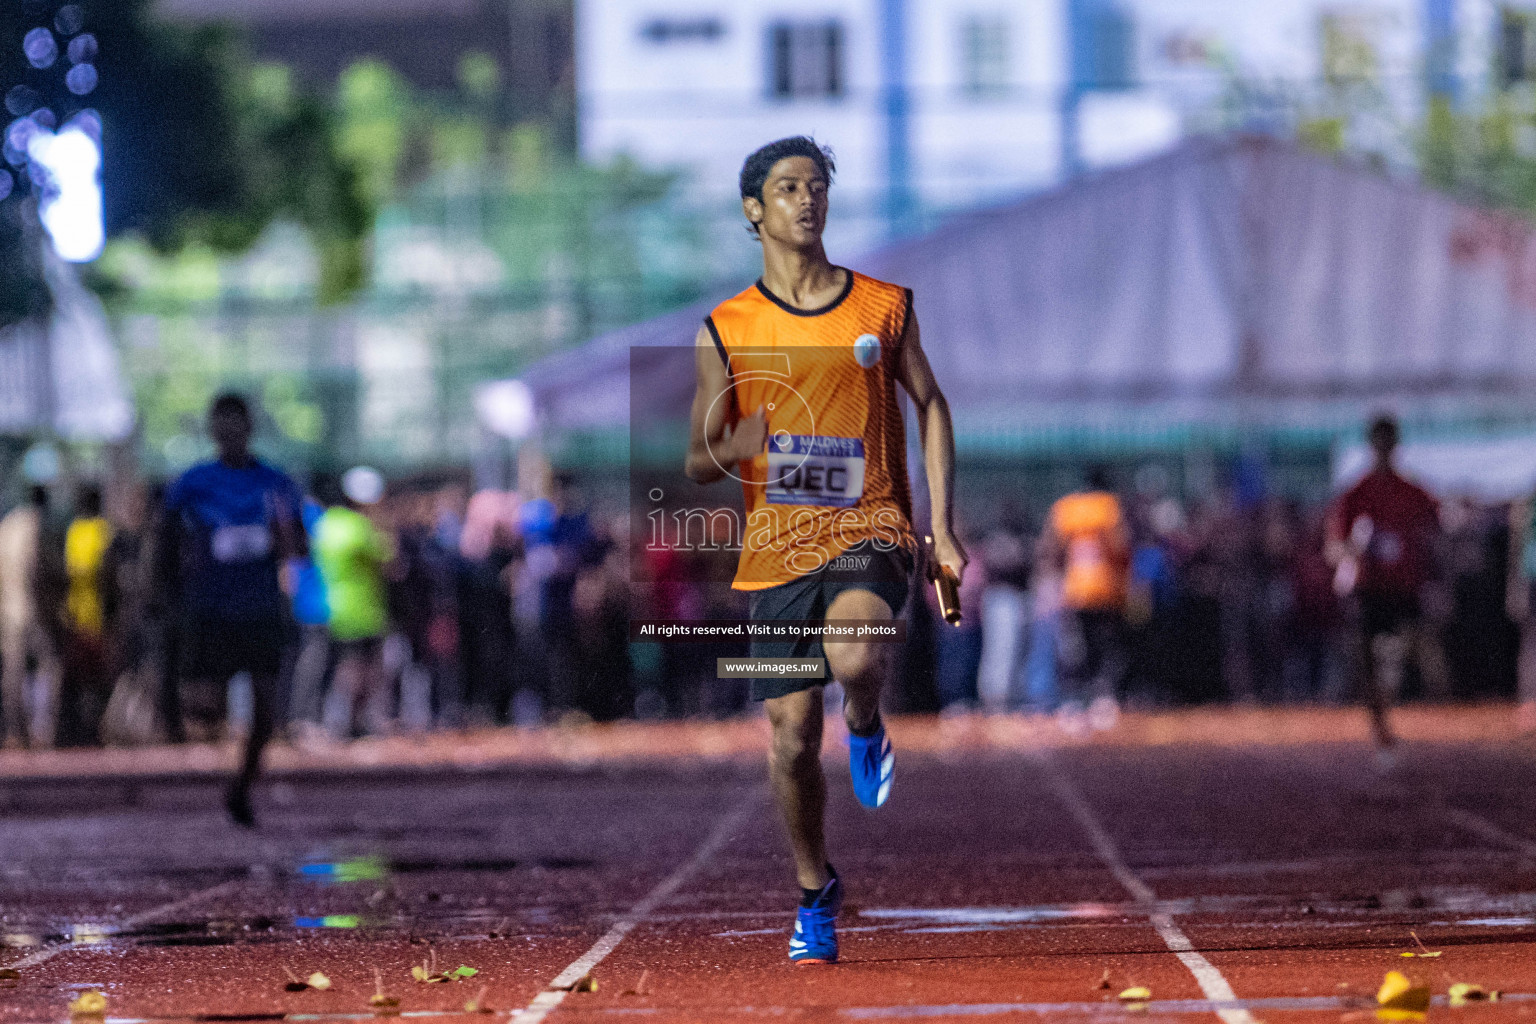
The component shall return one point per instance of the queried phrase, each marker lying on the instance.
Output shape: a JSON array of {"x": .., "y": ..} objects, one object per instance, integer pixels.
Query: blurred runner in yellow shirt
[
  {"x": 351, "y": 554},
  {"x": 87, "y": 683},
  {"x": 85, "y": 552}
]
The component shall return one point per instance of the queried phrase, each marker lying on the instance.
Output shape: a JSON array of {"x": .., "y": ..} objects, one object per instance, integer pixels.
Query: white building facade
[
  {"x": 959, "y": 103},
  {"x": 699, "y": 84}
]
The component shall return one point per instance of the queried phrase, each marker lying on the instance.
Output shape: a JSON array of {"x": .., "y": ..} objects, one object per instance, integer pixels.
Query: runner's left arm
[{"x": 937, "y": 433}]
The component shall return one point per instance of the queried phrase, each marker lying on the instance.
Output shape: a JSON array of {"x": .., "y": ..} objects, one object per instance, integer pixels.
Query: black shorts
[
  {"x": 887, "y": 575},
  {"x": 216, "y": 649},
  {"x": 1383, "y": 614},
  {"x": 1091, "y": 650}
]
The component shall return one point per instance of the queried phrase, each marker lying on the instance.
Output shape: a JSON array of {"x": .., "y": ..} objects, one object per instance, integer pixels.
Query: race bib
[
  {"x": 809, "y": 470},
  {"x": 234, "y": 544}
]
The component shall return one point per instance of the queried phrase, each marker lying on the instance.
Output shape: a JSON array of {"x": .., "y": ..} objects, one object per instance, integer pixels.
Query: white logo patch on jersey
[{"x": 866, "y": 350}]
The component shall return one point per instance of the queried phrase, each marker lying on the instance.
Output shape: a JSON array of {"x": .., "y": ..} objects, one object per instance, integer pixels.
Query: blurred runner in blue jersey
[{"x": 230, "y": 524}]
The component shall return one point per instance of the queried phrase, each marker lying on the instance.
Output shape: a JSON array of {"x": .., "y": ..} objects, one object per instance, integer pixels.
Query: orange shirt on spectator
[{"x": 1092, "y": 531}]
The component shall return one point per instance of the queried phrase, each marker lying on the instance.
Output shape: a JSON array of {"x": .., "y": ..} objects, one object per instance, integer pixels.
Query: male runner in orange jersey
[{"x": 796, "y": 398}]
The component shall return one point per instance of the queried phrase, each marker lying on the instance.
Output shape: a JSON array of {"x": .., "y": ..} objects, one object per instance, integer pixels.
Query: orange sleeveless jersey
[
  {"x": 834, "y": 473},
  {"x": 1091, "y": 525}
]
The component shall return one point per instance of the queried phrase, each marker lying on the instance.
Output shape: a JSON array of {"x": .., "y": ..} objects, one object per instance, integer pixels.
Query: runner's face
[
  {"x": 794, "y": 206},
  {"x": 231, "y": 433}
]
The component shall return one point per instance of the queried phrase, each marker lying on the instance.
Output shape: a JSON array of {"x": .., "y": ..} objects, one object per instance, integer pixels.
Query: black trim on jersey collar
[
  {"x": 796, "y": 311},
  {"x": 714, "y": 332}
]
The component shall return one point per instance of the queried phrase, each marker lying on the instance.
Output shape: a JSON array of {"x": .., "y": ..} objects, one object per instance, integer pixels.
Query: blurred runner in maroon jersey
[{"x": 1381, "y": 539}]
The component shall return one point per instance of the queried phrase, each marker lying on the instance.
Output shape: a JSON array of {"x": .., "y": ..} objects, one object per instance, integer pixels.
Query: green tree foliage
[
  {"x": 299, "y": 170},
  {"x": 449, "y": 163},
  {"x": 1486, "y": 156},
  {"x": 376, "y": 119},
  {"x": 200, "y": 144}
]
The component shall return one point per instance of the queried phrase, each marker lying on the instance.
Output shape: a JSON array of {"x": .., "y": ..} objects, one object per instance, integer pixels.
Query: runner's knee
[
  {"x": 796, "y": 722},
  {"x": 854, "y": 663}
]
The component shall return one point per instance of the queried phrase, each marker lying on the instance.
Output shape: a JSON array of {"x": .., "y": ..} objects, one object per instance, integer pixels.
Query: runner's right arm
[
  {"x": 712, "y": 444},
  {"x": 286, "y": 519}
]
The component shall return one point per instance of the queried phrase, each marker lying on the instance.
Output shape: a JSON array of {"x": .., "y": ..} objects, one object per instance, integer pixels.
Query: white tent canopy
[{"x": 1237, "y": 283}]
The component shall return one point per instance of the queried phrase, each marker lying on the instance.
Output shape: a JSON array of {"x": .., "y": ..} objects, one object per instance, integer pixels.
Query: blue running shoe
[
  {"x": 814, "y": 940},
  {"x": 873, "y": 763}
]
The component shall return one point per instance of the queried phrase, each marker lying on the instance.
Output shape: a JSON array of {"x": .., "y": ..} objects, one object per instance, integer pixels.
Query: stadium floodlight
[
  {"x": 70, "y": 205},
  {"x": 507, "y": 408}
]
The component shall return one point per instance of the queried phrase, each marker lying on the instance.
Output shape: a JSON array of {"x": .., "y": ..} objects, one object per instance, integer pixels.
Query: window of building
[
  {"x": 1517, "y": 46},
  {"x": 805, "y": 59},
  {"x": 1186, "y": 49},
  {"x": 984, "y": 55},
  {"x": 1350, "y": 46},
  {"x": 1103, "y": 45},
  {"x": 682, "y": 30}
]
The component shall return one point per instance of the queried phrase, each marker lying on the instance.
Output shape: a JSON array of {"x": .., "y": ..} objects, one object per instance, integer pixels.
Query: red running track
[{"x": 1243, "y": 866}]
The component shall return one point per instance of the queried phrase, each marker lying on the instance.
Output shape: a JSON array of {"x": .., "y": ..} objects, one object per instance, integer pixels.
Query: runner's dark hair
[
  {"x": 754, "y": 170},
  {"x": 1384, "y": 430},
  {"x": 230, "y": 402}
]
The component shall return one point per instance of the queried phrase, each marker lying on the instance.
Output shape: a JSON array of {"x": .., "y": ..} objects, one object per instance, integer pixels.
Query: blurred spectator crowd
[
  {"x": 422, "y": 606},
  {"x": 1149, "y": 601}
]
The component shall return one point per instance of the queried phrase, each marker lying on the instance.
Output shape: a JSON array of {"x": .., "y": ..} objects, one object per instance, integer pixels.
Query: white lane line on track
[
  {"x": 1467, "y": 821},
  {"x": 1211, "y": 981},
  {"x": 1485, "y": 829},
  {"x": 1280, "y": 1003},
  {"x": 560, "y": 987},
  {"x": 141, "y": 918}
]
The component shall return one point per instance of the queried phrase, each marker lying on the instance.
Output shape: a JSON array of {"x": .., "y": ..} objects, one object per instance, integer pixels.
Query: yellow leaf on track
[
  {"x": 383, "y": 1005},
  {"x": 1392, "y": 986},
  {"x": 1462, "y": 993},
  {"x": 1398, "y": 993},
  {"x": 89, "y": 1004}
]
